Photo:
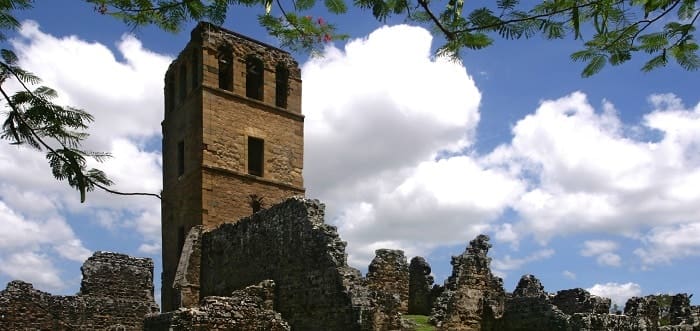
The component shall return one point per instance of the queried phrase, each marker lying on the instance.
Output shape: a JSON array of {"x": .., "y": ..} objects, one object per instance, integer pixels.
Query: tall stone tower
[{"x": 233, "y": 129}]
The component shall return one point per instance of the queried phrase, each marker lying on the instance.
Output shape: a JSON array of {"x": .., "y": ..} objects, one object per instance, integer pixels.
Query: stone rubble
[{"x": 249, "y": 309}]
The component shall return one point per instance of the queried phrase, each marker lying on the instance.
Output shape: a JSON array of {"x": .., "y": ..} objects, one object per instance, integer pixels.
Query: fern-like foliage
[{"x": 32, "y": 119}]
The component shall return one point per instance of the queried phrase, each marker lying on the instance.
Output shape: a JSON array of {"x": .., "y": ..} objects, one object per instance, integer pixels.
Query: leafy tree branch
[
  {"x": 35, "y": 121},
  {"x": 616, "y": 29}
]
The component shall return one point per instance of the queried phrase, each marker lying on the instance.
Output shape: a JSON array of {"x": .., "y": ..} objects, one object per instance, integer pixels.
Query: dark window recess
[
  {"x": 225, "y": 69},
  {"x": 180, "y": 158},
  {"x": 170, "y": 95},
  {"x": 281, "y": 85},
  {"x": 256, "y": 159},
  {"x": 180, "y": 239},
  {"x": 254, "y": 78},
  {"x": 195, "y": 68},
  {"x": 183, "y": 83}
]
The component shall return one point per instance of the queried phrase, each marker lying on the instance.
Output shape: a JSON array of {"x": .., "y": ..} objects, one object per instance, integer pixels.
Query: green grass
[{"x": 421, "y": 322}]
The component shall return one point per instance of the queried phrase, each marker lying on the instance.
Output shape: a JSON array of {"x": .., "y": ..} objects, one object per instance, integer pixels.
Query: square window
[{"x": 256, "y": 152}]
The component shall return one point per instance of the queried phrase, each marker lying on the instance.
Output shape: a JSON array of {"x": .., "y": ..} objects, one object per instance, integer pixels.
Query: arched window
[
  {"x": 196, "y": 66},
  {"x": 254, "y": 78},
  {"x": 225, "y": 58},
  {"x": 183, "y": 83},
  {"x": 281, "y": 85}
]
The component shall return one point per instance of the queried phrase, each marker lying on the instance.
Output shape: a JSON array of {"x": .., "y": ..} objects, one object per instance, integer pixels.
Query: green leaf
[
  {"x": 658, "y": 61},
  {"x": 686, "y": 10},
  {"x": 304, "y": 4},
  {"x": 619, "y": 56},
  {"x": 583, "y": 55},
  {"x": 653, "y": 42},
  {"x": 474, "y": 40},
  {"x": 686, "y": 55},
  {"x": 594, "y": 66},
  {"x": 575, "y": 21},
  {"x": 506, "y": 4},
  {"x": 336, "y": 6}
]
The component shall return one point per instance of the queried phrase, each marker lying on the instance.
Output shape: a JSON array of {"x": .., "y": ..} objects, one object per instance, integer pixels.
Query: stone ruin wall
[
  {"x": 291, "y": 245},
  {"x": 249, "y": 309},
  {"x": 316, "y": 290},
  {"x": 388, "y": 274},
  {"x": 284, "y": 269},
  {"x": 116, "y": 293}
]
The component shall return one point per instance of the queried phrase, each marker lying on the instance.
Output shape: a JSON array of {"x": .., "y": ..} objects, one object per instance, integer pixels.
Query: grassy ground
[{"x": 421, "y": 322}]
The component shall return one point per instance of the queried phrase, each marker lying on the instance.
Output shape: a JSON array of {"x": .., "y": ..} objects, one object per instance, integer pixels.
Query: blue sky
[{"x": 587, "y": 183}]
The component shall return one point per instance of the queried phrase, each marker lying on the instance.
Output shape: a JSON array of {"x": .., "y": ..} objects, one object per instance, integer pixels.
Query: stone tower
[{"x": 233, "y": 128}]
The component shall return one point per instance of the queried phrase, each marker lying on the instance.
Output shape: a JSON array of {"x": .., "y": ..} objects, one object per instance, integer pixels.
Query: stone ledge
[{"x": 264, "y": 180}]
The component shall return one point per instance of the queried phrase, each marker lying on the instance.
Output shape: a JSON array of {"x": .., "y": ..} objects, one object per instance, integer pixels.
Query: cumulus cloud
[
  {"x": 588, "y": 175},
  {"x": 125, "y": 97},
  {"x": 123, "y": 92},
  {"x": 380, "y": 114},
  {"x": 603, "y": 250},
  {"x": 618, "y": 293}
]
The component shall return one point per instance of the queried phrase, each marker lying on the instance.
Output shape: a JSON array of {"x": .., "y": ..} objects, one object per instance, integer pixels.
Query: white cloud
[
  {"x": 666, "y": 243},
  {"x": 124, "y": 94},
  {"x": 150, "y": 248},
  {"x": 603, "y": 250},
  {"x": 33, "y": 268},
  {"x": 506, "y": 233},
  {"x": 568, "y": 274},
  {"x": 598, "y": 247},
  {"x": 587, "y": 175},
  {"x": 378, "y": 115},
  {"x": 618, "y": 293},
  {"x": 20, "y": 233},
  {"x": 508, "y": 263},
  {"x": 609, "y": 259},
  {"x": 124, "y": 97}
]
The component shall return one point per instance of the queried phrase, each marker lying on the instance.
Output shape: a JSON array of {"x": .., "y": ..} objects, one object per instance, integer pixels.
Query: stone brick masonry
[
  {"x": 249, "y": 309},
  {"x": 290, "y": 244},
  {"x": 115, "y": 294}
]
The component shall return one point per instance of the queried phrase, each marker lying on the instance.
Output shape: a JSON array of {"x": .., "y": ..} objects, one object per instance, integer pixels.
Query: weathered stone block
[{"x": 388, "y": 274}]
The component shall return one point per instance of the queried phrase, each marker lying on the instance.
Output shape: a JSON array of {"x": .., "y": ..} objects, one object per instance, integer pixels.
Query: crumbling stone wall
[
  {"x": 473, "y": 297},
  {"x": 116, "y": 293},
  {"x": 419, "y": 287},
  {"x": 186, "y": 282},
  {"x": 681, "y": 311},
  {"x": 645, "y": 308},
  {"x": 249, "y": 309},
  {"x": 530, "y": 308},
  {"x": 578, "y": 300},
  {"x": 290, "y": 244},
  {"x": 388, "y": 273}
]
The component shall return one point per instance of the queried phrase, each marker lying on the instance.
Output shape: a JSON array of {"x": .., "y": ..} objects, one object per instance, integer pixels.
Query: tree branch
[
  {"x": 448, "y": 34},
  {"x": 47, "y": 146}
]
